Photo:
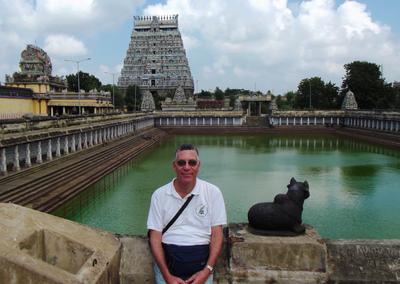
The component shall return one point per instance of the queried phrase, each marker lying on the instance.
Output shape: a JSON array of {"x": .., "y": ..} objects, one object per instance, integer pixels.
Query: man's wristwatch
[{"x": 209, "y": 267}]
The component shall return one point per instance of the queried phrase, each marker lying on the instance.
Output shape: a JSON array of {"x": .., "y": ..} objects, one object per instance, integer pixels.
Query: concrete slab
[{"x": 36, "y": 247}]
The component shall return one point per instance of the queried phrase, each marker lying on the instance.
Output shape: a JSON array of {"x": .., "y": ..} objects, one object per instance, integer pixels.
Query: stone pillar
[
  {"x": 104, "y": 135},
  {"x": 308, "y": 120},
  {"x": 167, "y": 121},
  {"x": 323, "y": 121},
  {"x": 28, "y": 162},
  {"x": 73, "y": 147},
  {"x": 66, "y": 148},
  {"x": 287, "y": 120},
  {"x": 85, "y": 141},
  {"x": 197, "y": 123},
  {"x": 280, "y": 120},
  {"x": 51, "y": 111},
  {"x": 3, "y": 162},
  {"x": 91, "y": 139},
  {"x": 301, "y": 120},
  {"x": 49, "y": 152},
  {"x": 397, "y": 126},
  {"x": 100, "y": 137},
  {"x": 204, "y": 121},
  {"x": 315, "y": 120},
  {"x": 58, "y": 147},
  {"x": 294, "y": 121},
  {"x": 79, "y": 141},
  {"x": 95, "y": 138},
  {"x": 39, "y": 159},
  {"x": 63, "y": 110}
]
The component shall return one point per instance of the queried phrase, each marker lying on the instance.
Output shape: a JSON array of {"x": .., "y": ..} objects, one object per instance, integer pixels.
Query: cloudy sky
[{"x": 251, "y": 44}]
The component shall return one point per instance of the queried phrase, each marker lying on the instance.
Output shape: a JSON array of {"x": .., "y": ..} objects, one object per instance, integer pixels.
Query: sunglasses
[{"x": 182, "y": 163}]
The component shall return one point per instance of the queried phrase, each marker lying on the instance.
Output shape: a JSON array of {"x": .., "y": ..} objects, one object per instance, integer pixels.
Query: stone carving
[
  {"x": 179, "y": 96},
  {"x": 35, "y": 60},
  {"x": 147, "y": 102},
  {"x": 273, "y": 106},
  {"x": 283, "y": 216},
  {"x": 238, "y": 104},
  {"x": 349, "y": 101},
  {"x": 156, "y": 58}
]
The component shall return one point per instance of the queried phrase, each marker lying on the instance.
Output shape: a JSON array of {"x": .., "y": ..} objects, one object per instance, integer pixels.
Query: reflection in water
[{"x": 353, "y": 185}]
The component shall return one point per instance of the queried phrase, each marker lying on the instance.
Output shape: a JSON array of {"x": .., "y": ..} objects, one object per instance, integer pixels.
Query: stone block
[
  {"x": 36, "y": 247},
  {"x": 256, "y": 259},
  {"x": 363, "y": 261},
  {"x": 136, "y": 261}
]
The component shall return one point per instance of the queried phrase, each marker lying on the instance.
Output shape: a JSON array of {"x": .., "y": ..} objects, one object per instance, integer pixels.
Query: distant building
[
  {"x": 35, "y": 91},
  {"x": 156, "y": 59}
]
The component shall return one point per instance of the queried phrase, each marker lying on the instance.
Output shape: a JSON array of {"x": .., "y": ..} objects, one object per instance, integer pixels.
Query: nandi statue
[{"x": 284, "y": 214}]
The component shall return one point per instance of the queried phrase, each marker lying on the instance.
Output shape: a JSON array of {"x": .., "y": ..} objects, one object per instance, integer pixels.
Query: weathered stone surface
[
  {"x": 136, "y": 261},
  {"x": 39, "y": 248},
  {"x": 364, "y": 261},
  {"x": 279, "y": 259}
]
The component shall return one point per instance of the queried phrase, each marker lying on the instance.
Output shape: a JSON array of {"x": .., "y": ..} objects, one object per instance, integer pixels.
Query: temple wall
[
  {"x": 36, "y": 247},
  {"x": 247, "y": 258},
  {"x": 15, "y": 108}
]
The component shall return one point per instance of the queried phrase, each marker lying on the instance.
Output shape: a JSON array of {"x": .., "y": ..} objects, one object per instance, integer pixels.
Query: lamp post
[
  {"x": 309, "y": 84},
  {"x": 113, "y": 94},
  {"x": 79, "y": 87}
]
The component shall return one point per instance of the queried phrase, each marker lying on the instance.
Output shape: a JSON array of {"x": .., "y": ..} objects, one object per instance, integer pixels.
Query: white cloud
[
  {"x": 40, "y": 21},
  {"x": 64, "y": 45},
  {"x": 276, "y": 44}
]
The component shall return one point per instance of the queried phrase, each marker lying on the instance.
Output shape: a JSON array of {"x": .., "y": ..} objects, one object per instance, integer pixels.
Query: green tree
[
  {"x": 133, "y": 98},
  {"x": 87, "y": 82},
  {"x": 218, "y": 94},
  {"x": 365, "y": 80},
  {"x": 314, "y": 93},
  {"x": 118, "y": 95},
  {"x": 287, "y": 101}
]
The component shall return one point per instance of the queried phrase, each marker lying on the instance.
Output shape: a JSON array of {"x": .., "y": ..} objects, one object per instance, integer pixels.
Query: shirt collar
[{"x": 171, "y": 189}]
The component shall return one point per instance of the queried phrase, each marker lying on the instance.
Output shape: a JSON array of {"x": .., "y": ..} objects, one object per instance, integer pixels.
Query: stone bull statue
[{"x": 284, "y": 214}]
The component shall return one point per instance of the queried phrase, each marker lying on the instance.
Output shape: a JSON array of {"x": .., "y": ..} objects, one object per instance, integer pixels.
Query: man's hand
[
  {"x": 199, "y": 277},
  {"x": 174, "y": 280}
]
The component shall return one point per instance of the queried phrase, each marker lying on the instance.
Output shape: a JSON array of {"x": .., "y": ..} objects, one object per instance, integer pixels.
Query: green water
[{"x": 354, "y": 186}]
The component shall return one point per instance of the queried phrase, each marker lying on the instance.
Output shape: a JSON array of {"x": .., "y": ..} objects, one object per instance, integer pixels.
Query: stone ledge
[{"x": 40, "y": 248}]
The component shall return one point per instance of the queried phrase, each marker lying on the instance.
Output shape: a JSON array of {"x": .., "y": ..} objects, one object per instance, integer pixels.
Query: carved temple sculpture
[
  {"x": 147, "y": 102},
  {"x": 179, "y": 102},
  {"x": 283, "y": 216},
  {"x": 156, "y": 59},
  {"x": 36, "y": 68}
]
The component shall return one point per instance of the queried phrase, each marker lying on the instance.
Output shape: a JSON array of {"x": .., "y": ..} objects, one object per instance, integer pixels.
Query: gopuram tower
[{"x": 156, "y": 59}]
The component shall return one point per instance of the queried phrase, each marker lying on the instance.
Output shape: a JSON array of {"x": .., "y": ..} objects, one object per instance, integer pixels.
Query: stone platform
[
  {"x": 40, "y": 248},
  {"x": 257, "y": 259}
]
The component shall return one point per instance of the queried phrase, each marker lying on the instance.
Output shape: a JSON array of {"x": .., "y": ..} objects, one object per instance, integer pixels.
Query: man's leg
[{"x": 158, "y": 278}]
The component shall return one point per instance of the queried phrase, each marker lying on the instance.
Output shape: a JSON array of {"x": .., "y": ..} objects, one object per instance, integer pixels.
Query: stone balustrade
[
  {"x": 19, "y": 151},
  {"x": 198, "y": 119}
]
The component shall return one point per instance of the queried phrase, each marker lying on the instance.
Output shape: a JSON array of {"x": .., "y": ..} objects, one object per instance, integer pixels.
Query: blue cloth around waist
[{"x": 184, "y": 261}]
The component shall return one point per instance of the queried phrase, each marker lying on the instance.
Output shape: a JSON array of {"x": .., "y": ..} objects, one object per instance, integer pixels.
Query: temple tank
[{"x": 354, "y": 186}]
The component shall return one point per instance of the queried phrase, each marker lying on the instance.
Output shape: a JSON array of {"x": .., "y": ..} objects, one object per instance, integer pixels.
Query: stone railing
[
  {"x": 381, "y": 121},
  {"x": 198, "y": 119},
  {"x": 22, "y": 150}
]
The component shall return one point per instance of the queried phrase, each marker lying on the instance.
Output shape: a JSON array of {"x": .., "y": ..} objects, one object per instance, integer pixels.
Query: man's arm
[
  {"x": 216, "y": 242},
  {"x": 159, "y": 257}
]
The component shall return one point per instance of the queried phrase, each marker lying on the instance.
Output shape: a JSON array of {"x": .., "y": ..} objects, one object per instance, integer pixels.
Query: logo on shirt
[{"x": 202, "y": 210}]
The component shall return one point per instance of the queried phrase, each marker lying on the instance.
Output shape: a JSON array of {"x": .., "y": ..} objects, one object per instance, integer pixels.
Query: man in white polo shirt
[{"x": 186, "y": 250}]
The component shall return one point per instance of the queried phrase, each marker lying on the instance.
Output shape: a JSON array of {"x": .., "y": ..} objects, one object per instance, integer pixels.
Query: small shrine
[
  {"x": 147, "y": 102},
  {"x": 36, "y": 69},
  {"x": 179, "y": 102},
  {"x": 349, "y": 101}
]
